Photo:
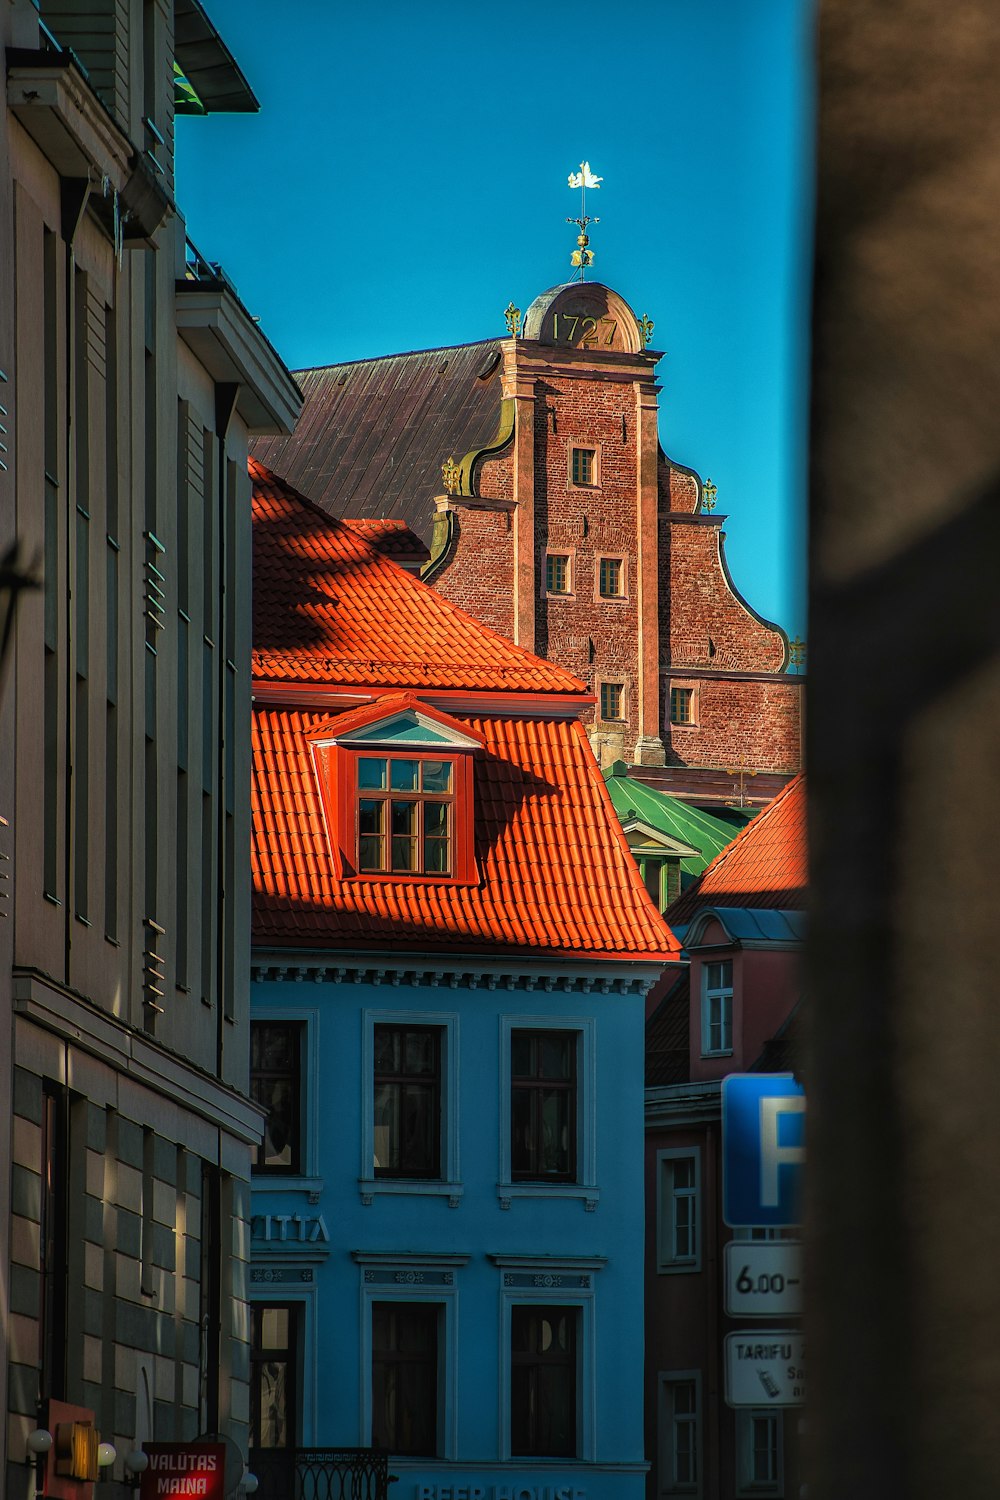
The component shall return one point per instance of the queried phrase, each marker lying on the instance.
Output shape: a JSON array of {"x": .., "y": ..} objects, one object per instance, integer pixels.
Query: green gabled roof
[{"x": 672, "y": 818}]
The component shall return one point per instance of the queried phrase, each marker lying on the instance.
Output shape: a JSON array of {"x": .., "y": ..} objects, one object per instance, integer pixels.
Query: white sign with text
[{"x": 763, "y": 1278}]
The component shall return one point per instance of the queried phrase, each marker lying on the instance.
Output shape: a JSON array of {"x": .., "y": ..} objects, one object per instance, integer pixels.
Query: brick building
[
  {"x": 564, "y": 526},
  {"x": 734, "y": 1009}
]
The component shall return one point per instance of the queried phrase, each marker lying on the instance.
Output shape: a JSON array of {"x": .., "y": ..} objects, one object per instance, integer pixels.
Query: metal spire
[{"x": 584, "y": 179}]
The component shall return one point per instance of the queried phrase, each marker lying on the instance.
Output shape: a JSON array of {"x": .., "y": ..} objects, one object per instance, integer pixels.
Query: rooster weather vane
[{"x": 583, "y": 257}]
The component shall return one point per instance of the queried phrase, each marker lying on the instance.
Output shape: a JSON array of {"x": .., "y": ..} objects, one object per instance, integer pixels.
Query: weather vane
[{"x": 583, "y": 180}]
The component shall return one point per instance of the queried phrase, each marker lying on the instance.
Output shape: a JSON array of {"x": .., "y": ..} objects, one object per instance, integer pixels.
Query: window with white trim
[
  {"x": 409, "y": 1125},
  {"x": 717, "y": 1008},
  {"x": 678, "y": 1209},
  {"x": 759, "y": 1440},
  {"x": 548, "y": 1143},
  {"x": 680, "y": 1433}
]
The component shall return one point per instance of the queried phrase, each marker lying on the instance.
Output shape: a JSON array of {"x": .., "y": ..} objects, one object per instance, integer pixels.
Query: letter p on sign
[{"x": 763, "y": 1149}]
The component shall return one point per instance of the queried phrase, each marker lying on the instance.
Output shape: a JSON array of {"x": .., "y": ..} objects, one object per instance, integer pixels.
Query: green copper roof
[{"x": 673, "y": 819}]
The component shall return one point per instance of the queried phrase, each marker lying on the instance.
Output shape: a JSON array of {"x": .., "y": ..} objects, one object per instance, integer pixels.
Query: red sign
[{"x": 194, "y": 1470}]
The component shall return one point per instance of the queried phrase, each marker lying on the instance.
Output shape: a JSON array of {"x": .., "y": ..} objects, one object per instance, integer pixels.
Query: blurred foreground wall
[{"x": 904, "y": 755}]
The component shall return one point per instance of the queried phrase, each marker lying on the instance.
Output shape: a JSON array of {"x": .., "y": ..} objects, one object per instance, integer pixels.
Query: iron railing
[{"x": 321, "y": 1473}]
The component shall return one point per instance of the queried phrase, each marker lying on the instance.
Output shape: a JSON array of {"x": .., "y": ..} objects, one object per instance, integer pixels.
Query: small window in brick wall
[
  {"x": 612, "y": 701},
  {"x": 557, "y": 573},
  {"x": 584, "y": 466},
  {"x": 682, "y": 705}
]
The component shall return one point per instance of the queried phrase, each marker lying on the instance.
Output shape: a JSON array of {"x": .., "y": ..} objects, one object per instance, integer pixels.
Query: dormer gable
[{"x": 396, "y": 784}]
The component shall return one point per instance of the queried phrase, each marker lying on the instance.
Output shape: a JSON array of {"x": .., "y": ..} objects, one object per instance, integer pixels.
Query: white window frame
[
  {"x": 449, "y": 1184},
  {"x": 745, "y": 1483},
  {"x": 552, "y": 1284},
  {"x": 666, "y": 1452},
  {"x": 404, "y": 1283},
  {"x": 709, "y": 995},
  {"x": 308, "y": 1179},
  {"x": 305, "y": 1298},
  {"x": 585, "y": 1185},
  {"x": 667, "y": 1261}
]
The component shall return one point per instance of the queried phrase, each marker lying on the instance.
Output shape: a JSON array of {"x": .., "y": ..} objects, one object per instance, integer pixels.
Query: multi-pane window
[
  {"x": 678, "y": 1213},
  {"x": 682, "y": 1435},
  {"x": 543, "y": 1381},
  {"x": 717, "y": 1007},
  {"x": 275, "y": 1084},
  {"x": 543, "y": 1105},
  {"x": 612, "y": 701},
  {"x": 405, "y": 1376},
  {"x": 681, "y": 705},
  {"x": 557, "y": 573},
  {"x": 405, "y": 813},
  {"x": 407, "y": 1101},
  {"x": 759, "y": 1458},
  {"x": 584, "y": 465},
  {"x": 611, "y": 577},
  {"x": 273, "y": 1370}
]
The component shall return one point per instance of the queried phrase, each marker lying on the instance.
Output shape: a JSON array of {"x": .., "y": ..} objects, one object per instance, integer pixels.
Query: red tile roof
[
  {"x": 394, "y": 538},
  {"x": 328, "y": 605},
  {"x": 555, "y": 877},
  {"x": 764, "y": 866}
]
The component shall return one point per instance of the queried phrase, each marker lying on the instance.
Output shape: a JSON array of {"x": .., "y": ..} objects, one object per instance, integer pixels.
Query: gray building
[{"x": 131, "y": 378}]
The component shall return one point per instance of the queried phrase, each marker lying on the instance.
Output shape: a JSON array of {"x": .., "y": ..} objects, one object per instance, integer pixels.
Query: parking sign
[{"x": 763, "y": 1149}]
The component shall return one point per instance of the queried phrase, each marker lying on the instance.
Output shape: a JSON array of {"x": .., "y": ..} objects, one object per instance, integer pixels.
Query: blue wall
[{"x": 580, "y": 1245}]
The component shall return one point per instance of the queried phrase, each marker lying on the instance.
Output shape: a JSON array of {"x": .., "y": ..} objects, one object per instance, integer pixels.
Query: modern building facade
[
  {"x": 131, "y": 377},
  {"x": 735, "y": 1009},
  {"x": 451, "y": 952},
  {"x": 532, "y": 468}
]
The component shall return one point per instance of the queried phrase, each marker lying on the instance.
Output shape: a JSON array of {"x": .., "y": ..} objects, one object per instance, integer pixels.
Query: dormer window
[
  {"x": 405, "y": 815},
  {"x": 397, "y": 787}
]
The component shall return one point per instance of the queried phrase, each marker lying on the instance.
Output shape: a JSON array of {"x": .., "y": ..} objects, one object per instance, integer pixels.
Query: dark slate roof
[
  {"x": 374, "y": 433},
  {"x": 746, "y": 924},
  {"x": 667, "y": 1040},
  {"x": 783, "y": 1052}
]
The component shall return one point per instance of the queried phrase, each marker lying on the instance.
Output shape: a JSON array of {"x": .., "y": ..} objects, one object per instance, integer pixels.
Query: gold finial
[
  {"x": 709, "y": 494},
  {"x": 797, "y": 653},
  {"x": 513, "y": 316},
  {"x": 451, "y": 474},
  {"x": 581, "y": 258},
  {"x": 739, "y": 797},
  {"x": 646, "y": 326}
]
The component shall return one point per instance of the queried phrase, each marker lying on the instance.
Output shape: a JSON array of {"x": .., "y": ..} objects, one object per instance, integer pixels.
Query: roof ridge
[{"x": 374, "y": 359}]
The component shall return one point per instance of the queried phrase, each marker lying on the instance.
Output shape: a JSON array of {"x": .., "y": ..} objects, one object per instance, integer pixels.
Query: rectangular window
[
  {"x": 584, "y": 466},
  {"x": 557, "y": 573},
  {"x": 543, "y": 1381},
  {"x": 405, "y": 815},
  {"x": 681, "y": 705},
  {"x": 405, "y": 1376},
  {"x": 759, "y": 1441},
  {"x": 678, "y": 1211},
  {"x": 273, "y": 1375},
  {"x": 275, "y": 1084},
  {"x": 543, "y": 1106},
  {"x": 682, "y": 1436},
  {"x": 407, "y": 1101},
  {"x": 611, "y": 577},
  {"x": 717, "y": 1008},
  {"x": 612, "y": 701}
]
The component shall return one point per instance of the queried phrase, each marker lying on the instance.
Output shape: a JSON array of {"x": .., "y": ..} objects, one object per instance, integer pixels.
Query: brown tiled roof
[
  {"x": 393, "y": 538},
  {"x": 667, "y": 1040},
  {"x": 374, "y": 433},
  {"x": 764, "y": 866}
]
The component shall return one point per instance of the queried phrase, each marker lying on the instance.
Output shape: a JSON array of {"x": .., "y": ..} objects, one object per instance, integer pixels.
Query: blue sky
[{"x": 406, "y": 179}]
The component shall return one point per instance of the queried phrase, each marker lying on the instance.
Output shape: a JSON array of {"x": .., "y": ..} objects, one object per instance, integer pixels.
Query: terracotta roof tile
[
  {"x": 764, "y": 866},
  {"x": 328, "y": 605}
]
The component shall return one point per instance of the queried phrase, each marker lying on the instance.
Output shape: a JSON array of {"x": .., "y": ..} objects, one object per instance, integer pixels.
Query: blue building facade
[
  {"x": 452, "y": 953},
  {"x": 487, "y": 1257}
]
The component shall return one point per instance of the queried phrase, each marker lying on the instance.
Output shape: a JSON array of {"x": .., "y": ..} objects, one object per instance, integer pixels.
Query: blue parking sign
[{"x": 763, "y": 1149}]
